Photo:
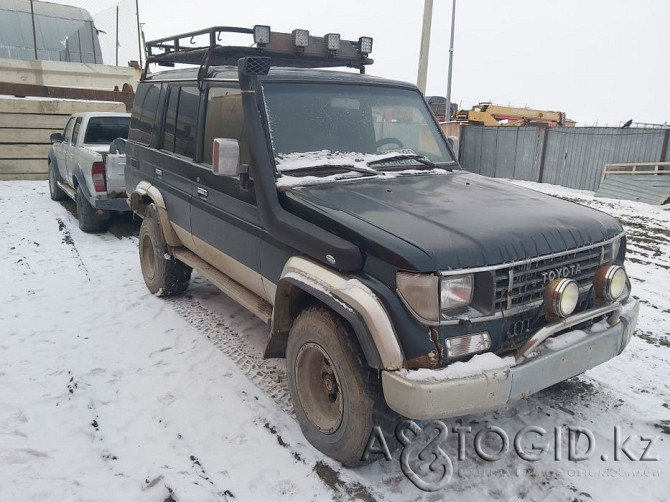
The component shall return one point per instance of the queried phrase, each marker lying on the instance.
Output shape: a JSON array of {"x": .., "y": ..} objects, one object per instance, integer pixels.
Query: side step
[
  {"x": 233, "y": 289},
  {"x": 67, "y": 189}
]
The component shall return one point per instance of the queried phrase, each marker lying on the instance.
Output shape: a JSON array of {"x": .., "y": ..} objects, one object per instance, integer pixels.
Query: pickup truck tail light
[{"x": 98, "y": 176}]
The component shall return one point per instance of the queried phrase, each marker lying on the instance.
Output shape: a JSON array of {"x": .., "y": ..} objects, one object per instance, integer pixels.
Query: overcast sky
[{"x": 600, "y": 61}]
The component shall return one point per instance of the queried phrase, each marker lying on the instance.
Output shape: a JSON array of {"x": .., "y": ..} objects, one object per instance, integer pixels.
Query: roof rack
[{"x": 297, "y": 49}]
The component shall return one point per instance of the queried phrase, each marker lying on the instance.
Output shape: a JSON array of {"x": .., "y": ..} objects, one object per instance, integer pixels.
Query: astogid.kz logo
[{"x": 425, "y": 462}]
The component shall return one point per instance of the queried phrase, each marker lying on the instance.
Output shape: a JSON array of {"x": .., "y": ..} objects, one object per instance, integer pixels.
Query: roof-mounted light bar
[
  {"x": 365, "y": 45},
  {"x": 297, "y": 49},
  {"x": 261, "y": 35},
  {"x": 332, "y": 42},
  {"x": 300, "y": 38}
]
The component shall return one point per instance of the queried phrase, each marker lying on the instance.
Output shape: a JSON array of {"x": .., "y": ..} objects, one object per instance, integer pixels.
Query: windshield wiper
[
  {"x": 320, "y": 167},
  {"x": 411, "y": 156}
]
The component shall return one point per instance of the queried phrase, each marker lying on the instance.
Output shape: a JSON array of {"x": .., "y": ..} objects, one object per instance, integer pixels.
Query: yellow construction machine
[{"x": 497, "y": 115}]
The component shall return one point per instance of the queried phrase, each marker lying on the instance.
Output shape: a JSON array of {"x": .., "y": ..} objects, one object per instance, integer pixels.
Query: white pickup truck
[{"x": 86, "y": 163}]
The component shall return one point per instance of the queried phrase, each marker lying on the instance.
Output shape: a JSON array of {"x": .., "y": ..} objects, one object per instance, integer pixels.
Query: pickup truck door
[
  {"x": 72, "y": 154},
  {"x": 60, "y": 149}
]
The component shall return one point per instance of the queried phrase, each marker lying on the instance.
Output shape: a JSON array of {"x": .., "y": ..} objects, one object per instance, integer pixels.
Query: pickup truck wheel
[
  {"x": 54, "y": 190},
  {"x": 337, "y": 398},
  {"x": 163, "y": 274},
  {"x": 89, "y": 220}
]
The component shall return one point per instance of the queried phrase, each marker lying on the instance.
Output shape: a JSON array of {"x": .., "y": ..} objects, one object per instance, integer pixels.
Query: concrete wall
[
  {"x": 27, "y": 123},
  {"x": 60, "y": 74},
  {"x": 25, "y": 127}
]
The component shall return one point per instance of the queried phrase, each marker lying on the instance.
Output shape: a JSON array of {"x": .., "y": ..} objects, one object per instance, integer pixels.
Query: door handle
[
  {"x": 159, "y": 172},
  {"x": 133, "y": 162},
  {"x": 202, "y": 192}
]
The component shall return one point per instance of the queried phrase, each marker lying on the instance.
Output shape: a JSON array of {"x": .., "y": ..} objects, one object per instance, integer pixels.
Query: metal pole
[
  {"x": 117, "y": 35},
  {"x": 139, "y": 37},
  {"x": 32, "y": 16},
  {"x": 425, "y": 45},
  {"x": 451, "y": 58}
]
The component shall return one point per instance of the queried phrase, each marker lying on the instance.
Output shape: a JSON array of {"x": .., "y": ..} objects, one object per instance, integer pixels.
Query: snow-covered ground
[{"x": 109, "y": 393}]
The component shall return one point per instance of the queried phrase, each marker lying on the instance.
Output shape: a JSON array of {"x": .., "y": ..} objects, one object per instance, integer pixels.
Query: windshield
[{"x": 321, "y": 126}]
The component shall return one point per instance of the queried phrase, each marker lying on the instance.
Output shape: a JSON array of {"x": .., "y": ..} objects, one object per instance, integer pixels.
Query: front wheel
[
  {"x": 337, "y": 398},
  {"x": 163, "y": 274}
]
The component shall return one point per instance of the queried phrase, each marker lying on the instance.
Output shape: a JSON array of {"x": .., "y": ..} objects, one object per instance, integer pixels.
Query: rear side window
[
  {"x": 144, "y": 112},
  {"x": 104, "y": 130},
  {"x": 170, "y": 119},
  {"x": 187, "y": 121}
]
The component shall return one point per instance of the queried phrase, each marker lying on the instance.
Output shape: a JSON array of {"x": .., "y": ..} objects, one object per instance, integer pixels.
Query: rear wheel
[
  {"x": 337, "y": 398},
  {"x": 89, "y": 219},
  {"x": 163, "y": 274},
  {"x": 54, "y": 190}
]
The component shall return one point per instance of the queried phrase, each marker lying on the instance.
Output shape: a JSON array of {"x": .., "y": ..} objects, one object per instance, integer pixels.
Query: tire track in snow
[
  {"x": 67, "y": 239},
  {"x": 266, "y": 374},
  {"x": 270, "y": 377}
]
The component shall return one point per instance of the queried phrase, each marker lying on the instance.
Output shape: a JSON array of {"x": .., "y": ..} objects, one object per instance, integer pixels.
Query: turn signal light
[{"x": 465, "y": 345}]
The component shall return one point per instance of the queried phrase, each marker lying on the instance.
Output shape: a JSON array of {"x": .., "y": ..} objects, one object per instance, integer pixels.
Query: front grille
[
  {"x": 523, "y": 284},
  {"x": 520, "y": 327}
]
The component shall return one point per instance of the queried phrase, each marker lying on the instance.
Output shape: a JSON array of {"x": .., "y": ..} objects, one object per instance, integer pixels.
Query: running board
[
  {"x": 69, "y": 191},
  {"x": 233, "y": 289}
]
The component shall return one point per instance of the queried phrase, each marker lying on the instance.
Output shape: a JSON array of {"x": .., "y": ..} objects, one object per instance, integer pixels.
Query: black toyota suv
[{"x": 331, "y": 206}]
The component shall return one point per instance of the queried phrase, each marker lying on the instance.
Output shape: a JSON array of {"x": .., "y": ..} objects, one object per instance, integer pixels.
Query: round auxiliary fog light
[
  {"x": 609, "y": 283},
  {"x": 561, "y": 297}
]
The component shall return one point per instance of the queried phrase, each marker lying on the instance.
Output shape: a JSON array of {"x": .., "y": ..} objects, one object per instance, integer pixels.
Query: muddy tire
[
  {"x": 163, "y": 274},
  {"x": 89, "y": 220},
  {"x": 337, "y": 398},
  {"x": 54, "y": 190}
]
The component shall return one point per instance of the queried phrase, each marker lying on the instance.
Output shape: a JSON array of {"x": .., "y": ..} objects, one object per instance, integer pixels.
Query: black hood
[{"x": 450, "y": 221}]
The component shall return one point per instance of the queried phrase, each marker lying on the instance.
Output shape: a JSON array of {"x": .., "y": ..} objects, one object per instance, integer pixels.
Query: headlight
[
  {"x": 432, "y": 298},
  {"x": 456, "y": 291},
  {"x": 610, "y": 283},
  {"x": 561, "y": 297}
]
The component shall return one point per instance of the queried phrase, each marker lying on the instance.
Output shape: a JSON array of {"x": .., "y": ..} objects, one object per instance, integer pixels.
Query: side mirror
[
  {"x": 226, "y": 157},
  {"x": 56, "y": 137}
]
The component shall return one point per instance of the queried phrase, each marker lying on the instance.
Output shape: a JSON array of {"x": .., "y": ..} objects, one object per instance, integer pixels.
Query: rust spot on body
[{"x": 438, "y": 345}]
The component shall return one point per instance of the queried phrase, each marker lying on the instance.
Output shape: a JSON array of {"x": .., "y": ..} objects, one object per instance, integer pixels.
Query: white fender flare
[
  {"x": 355, "y": 295},
  {"x": 146, "y": 189}
]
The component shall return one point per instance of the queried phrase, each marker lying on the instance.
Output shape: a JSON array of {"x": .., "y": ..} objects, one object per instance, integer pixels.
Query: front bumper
[{"x": 427, "y": 395}]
